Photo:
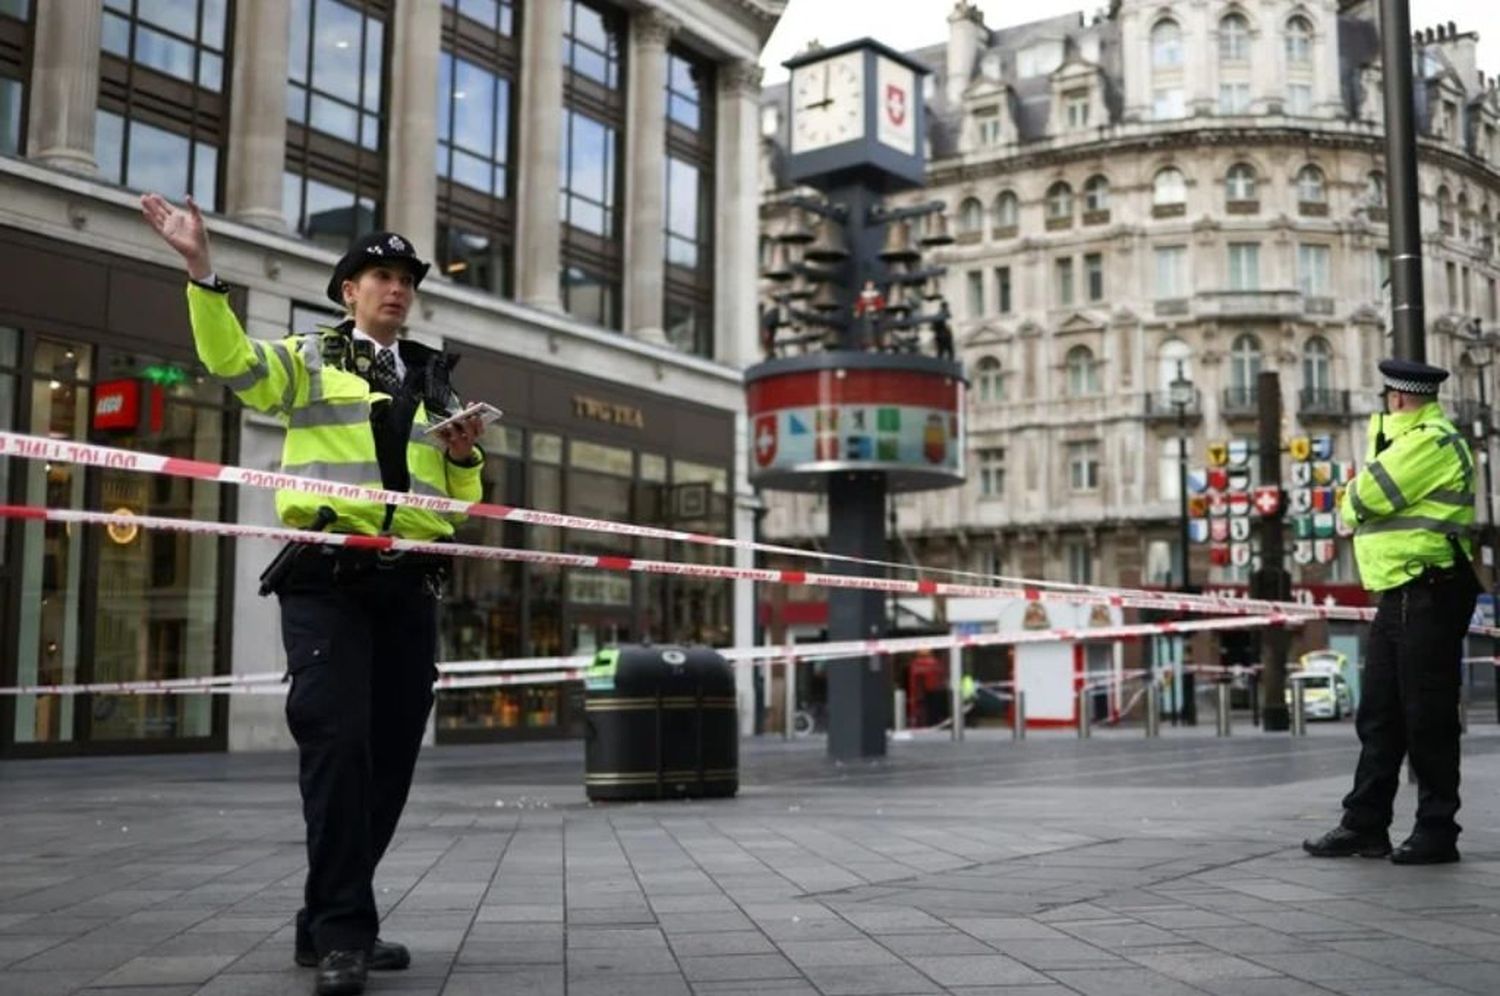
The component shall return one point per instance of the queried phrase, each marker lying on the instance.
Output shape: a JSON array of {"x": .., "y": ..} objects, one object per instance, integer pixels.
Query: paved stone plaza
[{"x": 1113, "y": 866}]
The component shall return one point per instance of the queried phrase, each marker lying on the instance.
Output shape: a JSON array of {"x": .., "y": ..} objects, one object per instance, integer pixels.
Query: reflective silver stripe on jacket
[
  {"x": 1388, "y": 486},
  {"x": 288, "y": 393},
  {"x": 338, "y": 473},
  {"x": 1397, "y": 523},
  {"x": 322, "y": 415},
  {"x": 1443, "y": 496},
  {"x": 1465, "y": 463},
  {"x": 257, "y": 372},
  {"x": 1361, "y": 510}
]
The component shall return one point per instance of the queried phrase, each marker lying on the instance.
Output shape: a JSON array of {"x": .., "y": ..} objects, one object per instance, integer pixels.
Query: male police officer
[
  {"x": 1411, "y": 508},
  {"x": 360, "y": 627}
]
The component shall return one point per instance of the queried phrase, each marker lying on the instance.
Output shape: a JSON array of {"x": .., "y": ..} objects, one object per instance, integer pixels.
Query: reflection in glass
[
  {"x": 683, "y": 201},
  {"x": 588, "y": 196},
  {"x": 170, "y": 37},
  {"x": 145, "y": 157},
  {"x": 472, "y": 259},
  {"x": 328, "y": 215},
  {"x": 591, "y": 45},
  {"x": 496, "y": 15},
  {"x": 473, "y": 125},
  {"x": 19, "y": 9},
  {"x": 12, "y": 97},
  {"x": 588, "y": 296},
  {"x": 334, "y": 63},
  {"x": 685, "y": 89}
]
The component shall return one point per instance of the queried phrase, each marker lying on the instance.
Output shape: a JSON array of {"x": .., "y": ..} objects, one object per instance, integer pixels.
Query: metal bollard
[
  {"x": 1153, "y": 710},
  {"x": 956, "y": 690},
  {"x": 789, "y": 695},
  {"x": 1085, "y": 721},
  {"x": 1018, "y": 716},
  {"x": 899, "y": 709},
  {"x": 1225, "y": 728},
  {"x": 1299, "y": 710}
]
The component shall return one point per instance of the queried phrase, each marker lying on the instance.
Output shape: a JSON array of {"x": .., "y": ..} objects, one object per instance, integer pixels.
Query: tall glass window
[
  {"x": 475, "y": 113},
  {"x": 1299, "y": 39},
  {"x": 1317, "y": 365},
  {"x": 1239, "y": 183},
  {"x": 1234, "y": 38},
  {"x": 593, "y": 125},
  {"x": 687, "y": 306},
  {"x": 1244, "y": 266},
  {"x": 162, "y": 110},
  {"x": 1244, "y": 365},
  {"x": 335, "y": 106},
  {"x": 1166, "y": 45},
  {"x": 15, "y": 37},
  {"x": 1007, "y": 211}
]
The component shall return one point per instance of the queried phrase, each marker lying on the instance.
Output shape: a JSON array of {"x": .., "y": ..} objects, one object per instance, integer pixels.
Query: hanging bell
[
  {"x": 795, "y": 230},
  {"x": 935, "y": 232},
  {"x": 898, "y": 247},
  {"x": 826, "y": 300},
  {"x": 830, "y": 246},
  {"x": 801, "y": 287},
  {"x": 779, "y": 267},
  {"x": 897, "y": 301},
  {"x": 932, "y": 289}
]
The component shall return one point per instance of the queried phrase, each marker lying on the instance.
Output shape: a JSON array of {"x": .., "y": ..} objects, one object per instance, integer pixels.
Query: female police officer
[{"x": 360, "y": 627}]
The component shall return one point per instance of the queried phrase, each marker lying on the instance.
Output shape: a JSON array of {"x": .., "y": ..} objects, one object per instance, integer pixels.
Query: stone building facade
[
  {"x": 1172, "y": 187},
  {"x": 582, "y": 174}
]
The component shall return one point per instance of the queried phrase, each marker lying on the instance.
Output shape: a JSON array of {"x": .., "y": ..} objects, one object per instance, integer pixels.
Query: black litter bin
[{"x": 662, "y": 724}]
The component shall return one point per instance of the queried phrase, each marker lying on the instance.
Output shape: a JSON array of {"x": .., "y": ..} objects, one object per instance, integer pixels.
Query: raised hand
[{"x": 182, "y": 229}]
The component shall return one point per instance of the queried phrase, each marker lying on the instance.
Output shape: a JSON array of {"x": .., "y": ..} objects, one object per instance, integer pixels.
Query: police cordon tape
[
  {"x": 550, "y": 670},
  {"x": 1123, "y": 598},
  {"x": 35, "y": 447},
  {"x": 30, "y": 447}
]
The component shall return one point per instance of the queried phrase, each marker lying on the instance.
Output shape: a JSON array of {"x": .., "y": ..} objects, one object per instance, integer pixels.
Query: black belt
[{"x": 364, "y": 558}]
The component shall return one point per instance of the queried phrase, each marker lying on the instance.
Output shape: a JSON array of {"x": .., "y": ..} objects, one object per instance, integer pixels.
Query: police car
[{"x": 1325, "y": 692}]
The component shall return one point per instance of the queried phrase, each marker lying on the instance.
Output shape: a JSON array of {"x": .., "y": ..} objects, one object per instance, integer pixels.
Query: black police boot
[
  {"x": 384, "y": 956},
  {"x": 342, "y": 973},
  {"x": 1341, "y": 842},
  {"x": 1425, "y": 850}
]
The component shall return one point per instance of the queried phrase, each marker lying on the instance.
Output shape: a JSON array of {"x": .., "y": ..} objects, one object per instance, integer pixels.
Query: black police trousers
[
  {"x": 361, "y": 647},
  {"x": 1408, "y": 706}
]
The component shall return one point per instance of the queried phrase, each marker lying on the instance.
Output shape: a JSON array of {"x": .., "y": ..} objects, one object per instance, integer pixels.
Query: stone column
[
  {"x": 538, "y": 235},
  {"x": 645, "y": 175},
  {"x": 65, "y": 85},
  {"x": 257, "y": 116},
  {"x": 411, "y": 180},
  {"x": 736, "y": 212}
]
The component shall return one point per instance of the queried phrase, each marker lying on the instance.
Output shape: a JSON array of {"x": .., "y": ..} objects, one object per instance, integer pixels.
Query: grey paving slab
[{"x": 1115, "y": 865}]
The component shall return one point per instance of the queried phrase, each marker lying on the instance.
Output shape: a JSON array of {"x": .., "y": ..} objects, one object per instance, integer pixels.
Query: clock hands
[{"x": 826, "y": 98}]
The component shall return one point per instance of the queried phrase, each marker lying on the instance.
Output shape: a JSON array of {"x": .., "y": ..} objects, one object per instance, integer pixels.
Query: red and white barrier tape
[
  {"x": 30, "y": 447},
  {"x": 550, "y": 670}
]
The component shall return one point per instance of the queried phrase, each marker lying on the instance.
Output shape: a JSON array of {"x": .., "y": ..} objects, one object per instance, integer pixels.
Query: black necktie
[{"x": 383, "y": 376}]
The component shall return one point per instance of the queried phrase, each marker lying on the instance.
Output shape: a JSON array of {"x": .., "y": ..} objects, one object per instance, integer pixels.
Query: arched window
[
  {"x": 1096, "y": 194},
  {"x": 1244, "y": 366},
  {"x": 1166, "y": 45},
  {"x": 1299, "y": 39},
  {"x": 1169, "y": 187},
  {"x": 1445, "y": 210},
  {"x": 1175, "y": 356},
  {"x": 1239, "y": 183},
  {"x": 1234, "y": 39},
  {"x": 1007, "y": 210},
  {"x": 970, "y": 216},
  {"x": 1462, "y": 210},
  {"x": 1317, "y": 366},
  {"x": 988, "y": 384},
  {"x": 1375, "y": 189},
  {"x": 1059, "y": 202},
  {"x": 1083, "y": 375},
  {"x": 1310, "y": 186}
]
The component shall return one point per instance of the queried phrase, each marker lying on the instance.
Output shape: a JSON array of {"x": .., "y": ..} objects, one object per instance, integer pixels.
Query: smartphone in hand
[{"x": 482, "y": 410}]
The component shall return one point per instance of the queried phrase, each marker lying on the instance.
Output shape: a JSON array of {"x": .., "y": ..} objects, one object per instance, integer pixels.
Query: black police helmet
[{"x": 374, "y": 249}]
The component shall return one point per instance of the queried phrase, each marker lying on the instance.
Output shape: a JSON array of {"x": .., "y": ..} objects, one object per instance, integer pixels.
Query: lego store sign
[{"x": 117, "y": 405}]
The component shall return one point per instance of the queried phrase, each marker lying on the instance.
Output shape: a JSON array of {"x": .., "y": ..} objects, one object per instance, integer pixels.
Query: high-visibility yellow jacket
[
  {"x": 1410, "y": 497},
  {"x": 327, "y": 414}
]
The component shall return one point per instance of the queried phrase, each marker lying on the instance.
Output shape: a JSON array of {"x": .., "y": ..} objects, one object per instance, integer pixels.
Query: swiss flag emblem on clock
[{"x": 895, "y": 104}]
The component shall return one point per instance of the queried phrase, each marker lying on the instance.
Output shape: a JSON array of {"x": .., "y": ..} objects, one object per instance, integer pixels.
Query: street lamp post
[
  {"x": 1481, "y": 354},
  {"x": 1180, "y": 394}
]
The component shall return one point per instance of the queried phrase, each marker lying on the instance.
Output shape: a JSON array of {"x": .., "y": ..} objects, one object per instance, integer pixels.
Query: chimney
[{"x": 966, "y": 37}]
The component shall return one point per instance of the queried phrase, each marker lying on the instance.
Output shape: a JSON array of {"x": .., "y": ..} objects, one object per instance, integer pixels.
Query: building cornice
[{"x": 1029, "y": 158}]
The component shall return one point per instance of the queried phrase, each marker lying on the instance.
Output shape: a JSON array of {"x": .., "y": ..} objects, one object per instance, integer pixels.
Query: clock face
[{"x": 828, "y": 102}]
